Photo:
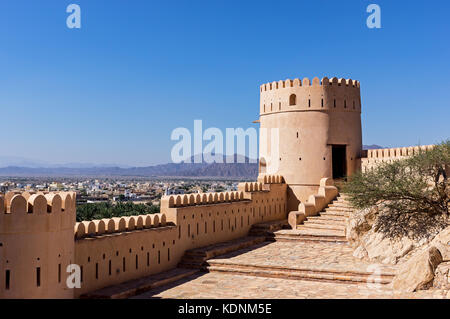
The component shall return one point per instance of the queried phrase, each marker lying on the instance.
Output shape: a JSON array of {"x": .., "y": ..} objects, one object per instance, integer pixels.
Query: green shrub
[
  {"x": 91, "y": 211},
  {"x": 414, "y": 192}
]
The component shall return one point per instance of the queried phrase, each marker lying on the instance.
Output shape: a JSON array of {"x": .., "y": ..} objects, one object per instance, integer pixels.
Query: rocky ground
[{"x": 423, "y": 261}]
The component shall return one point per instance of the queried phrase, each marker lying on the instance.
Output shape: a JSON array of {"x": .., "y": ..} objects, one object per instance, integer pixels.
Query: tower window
[
  {"x": 309, "y": 102},
  {"x": 292, "y": 99},
  {"x": 322, "y": 102},
  {"x": 38, "y": 276},
  {"x": 334, "y": 102},
  {"x": 345, "y": 104},
  {"x": 7, "y": 279},
  {"x": 279, "y": 106}
]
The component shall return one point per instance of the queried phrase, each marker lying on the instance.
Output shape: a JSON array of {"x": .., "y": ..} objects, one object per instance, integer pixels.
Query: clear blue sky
[{"x": 113, "y": 91}]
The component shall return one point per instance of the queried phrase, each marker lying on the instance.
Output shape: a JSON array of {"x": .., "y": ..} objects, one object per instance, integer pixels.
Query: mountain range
[
  {"x": 21, "y": 167},
  {"x": 247, "y": 169}
]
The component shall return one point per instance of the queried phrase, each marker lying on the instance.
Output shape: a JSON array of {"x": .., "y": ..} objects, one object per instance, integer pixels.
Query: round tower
[
  {"x": 36, "y": 244},
  {"x": 309, "y": 131}
]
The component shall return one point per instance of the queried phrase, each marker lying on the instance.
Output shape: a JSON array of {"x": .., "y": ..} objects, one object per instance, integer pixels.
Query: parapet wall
[
  {"x": 116, "y": 250},
  {"x": 36, "y": 244},
  {"x": 303, "y": 95},
  {"x": 387, "y": 155},
  {"x": 316, "y": 203}
]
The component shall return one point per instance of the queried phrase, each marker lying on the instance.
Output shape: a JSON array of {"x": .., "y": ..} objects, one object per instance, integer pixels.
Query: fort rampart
[
  {"x": 39, "y": 237},
  {"x": 387, "y": 155}
]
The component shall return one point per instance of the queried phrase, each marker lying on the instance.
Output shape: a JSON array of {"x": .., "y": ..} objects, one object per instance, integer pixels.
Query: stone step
[
  {"x": 341, "y": 205},
  {"x": 195, "y": 258},
  {"x": 338, "y": 209},
  {"x": 324, "y": 220},
  {"x": 329, "y": 218},
  {"x": 303, "y": 230},
  {"x": 267, "y": 228},
  {"x": 314, "y": 225},
  {"x": 332, "y": 213},
  {"x": 307, "y": 273},
  {"x": 311, "y": 239},
  {"x": 141, "y": 285},
  {"x": 343, "y": 201},
  {"x": 310, "y": 236}
]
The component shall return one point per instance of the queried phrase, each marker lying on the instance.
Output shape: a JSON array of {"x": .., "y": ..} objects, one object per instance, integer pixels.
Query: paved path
[
  {"x": 230, "y": 286},
  {"x": 288, "y": 255},
  {"x": 314, "y": 255},
  {"x": 312, "y": 261}
]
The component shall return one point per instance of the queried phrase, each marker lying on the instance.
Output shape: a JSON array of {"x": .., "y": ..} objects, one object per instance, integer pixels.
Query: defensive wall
[
  {"x": 375, "y": 157},
  {"x": 39, "y": 237}
]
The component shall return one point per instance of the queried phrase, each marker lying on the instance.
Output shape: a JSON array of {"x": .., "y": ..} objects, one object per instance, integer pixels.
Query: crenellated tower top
[{"x": 302, "y": 95}]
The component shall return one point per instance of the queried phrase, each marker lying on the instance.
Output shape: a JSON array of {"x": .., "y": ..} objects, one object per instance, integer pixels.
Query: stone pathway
[
  {"x": 327, "y": 226},
  {"x": 312, "y": 261},
  {"x": 230, "y": 286},
  {"x": 309, "y": 260}
]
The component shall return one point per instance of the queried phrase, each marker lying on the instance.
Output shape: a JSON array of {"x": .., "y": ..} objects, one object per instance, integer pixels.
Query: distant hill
[
  {"x": 223, "y": 170},
  {"x": 372, "y": 147},
  {"x": 230, "y": 170}
]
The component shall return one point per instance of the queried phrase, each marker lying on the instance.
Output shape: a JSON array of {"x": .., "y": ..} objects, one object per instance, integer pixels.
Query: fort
[{"x": 318, "y": 140}]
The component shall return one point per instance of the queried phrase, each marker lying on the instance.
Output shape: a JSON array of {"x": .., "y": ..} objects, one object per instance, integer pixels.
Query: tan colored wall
[
  {"x": 387, "y": 155},
  {"x": 191, "y": 221},
  {"x": 315, "y": 203},
  {"x": 108, "y": 259},
  {"x": 326, "y": 112},
  {"x": 36, "y": 231}
]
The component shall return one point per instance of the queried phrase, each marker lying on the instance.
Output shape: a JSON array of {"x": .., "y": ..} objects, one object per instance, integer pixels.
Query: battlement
[
  {"x": 304, "y": 95},
  {"x": 200, "y": 199},
  {"x": 36, "y": 236},
  {"x": 36, "y": 212},
  {"x": 397, "y": 152},
  {"x": 220, "y": 197},
  {"x": 118, "y": 225},
  {"x": 306, "y": 82},
  {"x": 376, "y": 157},
  {"x": 37, "y": 203}
]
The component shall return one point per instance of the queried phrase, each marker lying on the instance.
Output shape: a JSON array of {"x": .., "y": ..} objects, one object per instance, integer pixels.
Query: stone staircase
[
  {"x": 328, "y": 226},
  {"x": 317, "y": 233},
  {"x": 196, "y": 258},
  {"x": 307, "y": 273},
  {"x": 267, "y": 229}
]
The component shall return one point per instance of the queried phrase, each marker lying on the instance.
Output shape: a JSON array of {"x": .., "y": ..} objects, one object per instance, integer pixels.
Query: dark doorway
[{"x": 339, "y": 161}]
